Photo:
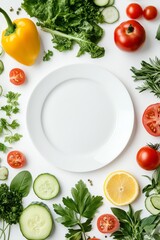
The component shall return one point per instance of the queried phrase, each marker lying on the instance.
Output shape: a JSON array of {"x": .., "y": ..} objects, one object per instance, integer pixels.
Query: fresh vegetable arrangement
[
  {"x": 11, "y": 198},
  {"x": 72, "y": 22}
]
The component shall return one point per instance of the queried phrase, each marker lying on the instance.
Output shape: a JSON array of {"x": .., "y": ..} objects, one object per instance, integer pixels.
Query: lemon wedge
[{"x": 121, "y": 188}]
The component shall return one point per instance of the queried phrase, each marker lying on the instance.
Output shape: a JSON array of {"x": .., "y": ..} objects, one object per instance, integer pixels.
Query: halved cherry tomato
[
  {"x": 17, "y": 76},
  {"x": 107, "y": 223},
  {"x": 16, "y": 159},
  {"x": 148, "y": 157},
  {"x": 151, "y": 119},
  {"x": 134, "y": 10},
  {"x": 150, "y": 12},
  {"x": 129, "y": 35}
]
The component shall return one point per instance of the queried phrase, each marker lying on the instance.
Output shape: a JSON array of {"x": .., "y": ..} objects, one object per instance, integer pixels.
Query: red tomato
[
  {"x": 134, "y": 10},
  {"x": 94, "y": 238},
  {"x": 150, "y": 12},
  {"x": 16, "y": 159},
  {"x": 107, "y": 223},
  {"x": 17, "y": 76},
  {"x": 148, "y": 158},
  {"x": 151, "y": 119},
  {"x": 129, "y": 35}
]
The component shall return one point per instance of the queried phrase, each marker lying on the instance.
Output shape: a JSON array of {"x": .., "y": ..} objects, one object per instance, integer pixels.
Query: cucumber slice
[
  {"x": 46, "y": 186},
  {"x": 36, "y": 222},
  {"x": 101, "y": 3},
  {"x": 149, "y": 206},
  {"x": 155, "y": 200},
  {"x": 3, "y": 173},
  {"x": 110, "y": 14},
  {"x": 111, "y": 2}
]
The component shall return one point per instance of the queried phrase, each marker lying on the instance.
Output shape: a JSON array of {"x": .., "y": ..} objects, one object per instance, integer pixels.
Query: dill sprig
[{"x": 149, "y": 73}]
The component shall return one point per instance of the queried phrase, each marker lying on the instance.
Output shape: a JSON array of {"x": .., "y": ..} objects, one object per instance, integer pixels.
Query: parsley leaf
[
  {"x": 14, "y": 138},
  {"x": 47, "y": 55},
  {"x": 3, "y": 147},
  {"x": 78, "y": 211}
]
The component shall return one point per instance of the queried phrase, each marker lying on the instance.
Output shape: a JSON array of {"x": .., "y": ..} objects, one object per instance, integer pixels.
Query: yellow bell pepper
[{"x": 21, "y": 40}]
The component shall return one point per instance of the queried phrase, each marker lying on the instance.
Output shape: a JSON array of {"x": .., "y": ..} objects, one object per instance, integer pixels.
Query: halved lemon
[{"x": 121, "y": 188}]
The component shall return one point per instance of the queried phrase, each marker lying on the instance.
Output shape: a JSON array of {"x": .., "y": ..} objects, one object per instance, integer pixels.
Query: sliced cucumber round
[
  {"x": 101, "y": 3},
  {"x": 110, "y": 14},
  {"x": 155, "y": 200},
  {"x": 149, "y": 206},
  {"x": 3, "y": 173},
  {"x": 46, "y": 186},
  {"x": 36, "y": 222},
  {"x": 111, "y": 2}
]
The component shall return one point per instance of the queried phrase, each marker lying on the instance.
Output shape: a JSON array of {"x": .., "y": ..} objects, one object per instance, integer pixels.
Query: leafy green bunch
[
  {"x": 132, "y": 227},
  {"x": 11, "y": 205},
  {"x": 69, "y": 22},
  {"x": 78, "y": 211},
  {"x": 7, "y": 125}
]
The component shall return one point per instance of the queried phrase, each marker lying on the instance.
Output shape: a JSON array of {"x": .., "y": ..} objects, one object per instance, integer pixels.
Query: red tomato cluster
[{"x": 134, "y": 11}]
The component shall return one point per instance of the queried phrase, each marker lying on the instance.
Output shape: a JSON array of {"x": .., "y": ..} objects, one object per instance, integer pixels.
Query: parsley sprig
[
  {"x": 149, "y": 75},
  {"x": 7, "y": 125},
  {"x": 78, "y": 211}
]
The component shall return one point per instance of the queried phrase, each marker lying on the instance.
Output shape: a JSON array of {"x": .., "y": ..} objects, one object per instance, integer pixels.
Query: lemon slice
[{"x": 121, "y": 188}]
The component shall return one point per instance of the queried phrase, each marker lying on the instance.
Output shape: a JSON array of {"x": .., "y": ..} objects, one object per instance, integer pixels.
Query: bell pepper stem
[{"x": 11, "y": 26}]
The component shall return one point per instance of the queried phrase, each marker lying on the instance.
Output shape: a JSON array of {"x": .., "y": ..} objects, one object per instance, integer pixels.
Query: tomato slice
[
  {"x": 151, "y": 119},
  {"x": 16, "y": 159},
  {"x": 94, "y": 238},
  {"x": 107, "y": 223},
  {"x": 17, "y": 76}
]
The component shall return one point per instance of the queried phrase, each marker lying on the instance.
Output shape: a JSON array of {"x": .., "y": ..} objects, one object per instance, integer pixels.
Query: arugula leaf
[
  {"x": 69, "y": 22},
  {"x": 78, "y": 211}
]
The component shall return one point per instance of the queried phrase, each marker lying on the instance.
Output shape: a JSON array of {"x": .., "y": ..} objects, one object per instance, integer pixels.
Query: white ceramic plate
[{"x": 80, "y": 117}]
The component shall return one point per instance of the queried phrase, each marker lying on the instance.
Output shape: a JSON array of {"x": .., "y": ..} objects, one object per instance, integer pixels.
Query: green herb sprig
[
  {"x": 149, "y": 75},
  {"x": 7, "y": 125},
  {"x": 78, "y": 211},
  {"x": 11, "y": 205},
  {"x": 133, "y": 227},
  {"x": 154, "y": 186},
  {"x": 47, "y": 55}
]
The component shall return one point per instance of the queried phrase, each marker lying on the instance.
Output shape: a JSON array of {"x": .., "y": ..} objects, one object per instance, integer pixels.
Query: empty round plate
[{"x": 80, "y": 117}]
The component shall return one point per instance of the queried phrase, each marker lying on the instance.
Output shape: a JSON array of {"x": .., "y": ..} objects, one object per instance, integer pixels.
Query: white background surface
[{"x": 116, "y": 61}]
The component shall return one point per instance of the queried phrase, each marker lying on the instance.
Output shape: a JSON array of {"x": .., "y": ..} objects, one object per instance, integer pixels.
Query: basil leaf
[
  {"x": 120, "y": 214},
  {"x": 22, "y": 183}
]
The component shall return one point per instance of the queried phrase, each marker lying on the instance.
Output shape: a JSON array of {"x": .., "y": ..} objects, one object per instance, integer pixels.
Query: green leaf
[
  {"x": 92, "y": 206},
  {"x": 14, "y": 138},
  {"x": 158, "y": 33},
  {"x": 121, "y": 214},
  {"x": 47, "y": 55},
  {"x": 22, "y": 183},
  {"x": 3, "y": 147}
]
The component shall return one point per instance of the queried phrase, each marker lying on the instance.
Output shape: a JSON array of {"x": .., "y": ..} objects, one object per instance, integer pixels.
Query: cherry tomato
[
  {"x": 150, "y": 12},
  {"x": 16, "y": 159},
  {"x": 134, "y": 10},
  {"x": 94, "y": 238},
  {"x": 129, "y": 35},
  {"x": 17, "y": 76},
  {"x": 107, "y": 223},
  {"x": 151, "y": 119},
  {"x": 148, "y": 158}
]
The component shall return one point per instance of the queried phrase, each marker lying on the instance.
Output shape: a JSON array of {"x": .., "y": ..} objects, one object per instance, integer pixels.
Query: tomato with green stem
[
  {"x": 129, "y": 35},
  {"x": 148, "y": 157}
]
